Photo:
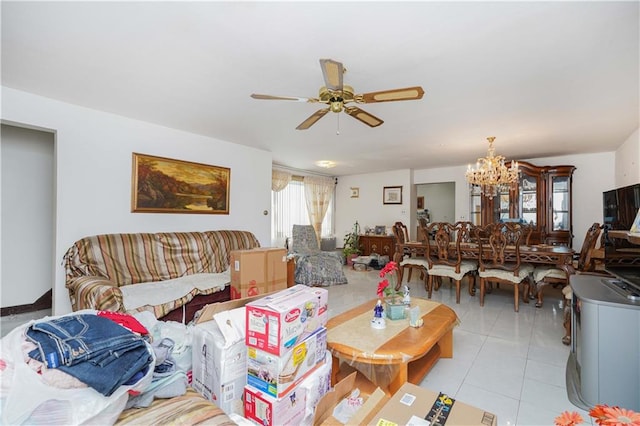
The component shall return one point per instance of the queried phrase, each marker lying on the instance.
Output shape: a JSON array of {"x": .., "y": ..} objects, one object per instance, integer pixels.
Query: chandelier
[{"x": 491, "y": 174}]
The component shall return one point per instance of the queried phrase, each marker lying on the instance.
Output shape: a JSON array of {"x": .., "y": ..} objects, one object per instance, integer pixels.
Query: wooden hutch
[{"x": 541, "y": 198}]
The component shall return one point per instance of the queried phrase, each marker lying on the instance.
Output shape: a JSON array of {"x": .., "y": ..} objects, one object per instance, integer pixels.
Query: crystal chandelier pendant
[{"x": 491, "y": 174}]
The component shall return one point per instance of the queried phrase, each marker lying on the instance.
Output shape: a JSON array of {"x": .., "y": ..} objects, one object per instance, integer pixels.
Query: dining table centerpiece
[{"x": 395, "y": 301}]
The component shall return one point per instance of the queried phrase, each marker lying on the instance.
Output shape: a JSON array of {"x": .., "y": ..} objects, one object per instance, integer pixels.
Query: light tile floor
[{"x": 509, "y": 363}]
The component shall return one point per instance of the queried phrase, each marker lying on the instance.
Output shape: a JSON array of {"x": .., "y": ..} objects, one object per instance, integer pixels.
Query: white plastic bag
[{"x": 27, "y": 399}]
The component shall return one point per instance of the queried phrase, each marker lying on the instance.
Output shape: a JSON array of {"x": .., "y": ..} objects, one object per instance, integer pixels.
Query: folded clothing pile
[{"x": 73, "y": 368}]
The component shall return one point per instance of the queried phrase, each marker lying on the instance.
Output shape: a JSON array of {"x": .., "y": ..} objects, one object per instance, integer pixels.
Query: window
[{"x": 288, "y": 208}]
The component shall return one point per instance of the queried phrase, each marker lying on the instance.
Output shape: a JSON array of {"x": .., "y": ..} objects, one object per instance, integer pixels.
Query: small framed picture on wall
[
  {"x": 392, "y": 195},
  {"x": 420, "y": 205}
]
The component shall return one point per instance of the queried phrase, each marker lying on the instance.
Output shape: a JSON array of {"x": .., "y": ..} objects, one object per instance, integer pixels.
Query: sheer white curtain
[
  {"x": 279, "y": 180},
  {"x": 318, "y": 193},
  {"x": 289, "y": 208}
]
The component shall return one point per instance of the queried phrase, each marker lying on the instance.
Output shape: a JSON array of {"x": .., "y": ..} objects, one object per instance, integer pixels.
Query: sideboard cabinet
[
  {"x": 542, "y": 198},
  {"x": 384, "y": 245}
]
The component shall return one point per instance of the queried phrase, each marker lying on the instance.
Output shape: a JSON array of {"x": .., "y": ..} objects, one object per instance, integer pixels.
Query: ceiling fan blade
[
  {"x": 284, "y": 98},
  {"x": 406, "y": 94},
  {"x": 332, "y": 72},
  {"x": 365, "y": 117},
  {"x": 312, "y": 119}
]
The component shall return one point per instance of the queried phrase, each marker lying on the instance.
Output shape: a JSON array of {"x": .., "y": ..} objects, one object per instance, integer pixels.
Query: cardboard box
[
  {"x": 412, "y": 403},
  {"x": 258, "y": 271},
  {"x": 219, "y": 354},
  {"x": 269, "y": 411},
  {"x": 277, "y": 322},
  {"x": 277, "y": 375},
  {"x": 342, "y": 389}
]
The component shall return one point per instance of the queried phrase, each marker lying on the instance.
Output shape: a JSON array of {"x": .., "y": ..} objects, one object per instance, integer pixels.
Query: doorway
[
  {"x": 27, "y": 173},
  {"x": 439, "y": 201}
]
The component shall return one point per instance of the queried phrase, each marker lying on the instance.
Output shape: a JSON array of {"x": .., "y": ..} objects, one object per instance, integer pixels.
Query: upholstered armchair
[{"x": 313, "y": 266}]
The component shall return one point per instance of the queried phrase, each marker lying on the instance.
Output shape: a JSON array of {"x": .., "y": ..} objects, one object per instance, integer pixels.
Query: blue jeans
[{"x": 93, "y": 349}]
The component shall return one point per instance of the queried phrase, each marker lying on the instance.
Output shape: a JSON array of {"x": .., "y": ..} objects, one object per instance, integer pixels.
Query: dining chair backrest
[
  {"x": 589, "y": 243},
  {"x": 499, "y": 246},
  {"x": 466, "y": 229},
  {"x": 400, "y": 232},
  {"x": 443, "y": 248}
]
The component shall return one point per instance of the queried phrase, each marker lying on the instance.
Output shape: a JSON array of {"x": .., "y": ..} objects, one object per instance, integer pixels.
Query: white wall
[
  {"x": 27, "y": 215},
  {"x": 368, "y": 209},
  {"x": 93, "y": 175},
  {"x": 628, "y": 161}
]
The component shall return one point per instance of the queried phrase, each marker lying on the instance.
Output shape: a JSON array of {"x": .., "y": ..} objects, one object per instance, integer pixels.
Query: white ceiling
[{"x": 545, "y": 78}]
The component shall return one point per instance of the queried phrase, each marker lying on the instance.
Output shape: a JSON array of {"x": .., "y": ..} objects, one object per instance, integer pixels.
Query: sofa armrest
[{"x": 95, "y": 293}]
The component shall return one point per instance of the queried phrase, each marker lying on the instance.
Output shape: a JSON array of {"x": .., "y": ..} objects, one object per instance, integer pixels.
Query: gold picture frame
[
  {"x": 392, "y": 195},
  {"x": 165, "y": 185}
]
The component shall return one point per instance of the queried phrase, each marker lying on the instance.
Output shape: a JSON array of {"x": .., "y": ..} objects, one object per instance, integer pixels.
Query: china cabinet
[{"x": 542, "y": 198}]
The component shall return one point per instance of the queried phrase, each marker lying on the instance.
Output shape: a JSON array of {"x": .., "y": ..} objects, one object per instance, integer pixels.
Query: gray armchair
[{"x": 313, "y": 266}]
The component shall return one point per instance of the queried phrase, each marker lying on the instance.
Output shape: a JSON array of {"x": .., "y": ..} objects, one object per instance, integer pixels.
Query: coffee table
[{"x": 397, "y": 354}]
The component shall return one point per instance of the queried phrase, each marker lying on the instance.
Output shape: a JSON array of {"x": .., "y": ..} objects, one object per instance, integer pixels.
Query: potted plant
[{"x": 350, "y": 248}]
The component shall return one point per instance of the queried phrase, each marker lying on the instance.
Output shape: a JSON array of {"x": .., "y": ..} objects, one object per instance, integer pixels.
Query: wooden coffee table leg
[
  {"x": 335, "y": 369},
  {"x": 400, "y": 379},
  {"x": 446, "y": 345}
]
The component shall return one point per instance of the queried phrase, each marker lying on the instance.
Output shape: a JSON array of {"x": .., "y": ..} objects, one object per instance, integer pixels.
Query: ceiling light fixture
[
  {"x": 491, "y": 173},
  {"x": 327, "y": 164}
]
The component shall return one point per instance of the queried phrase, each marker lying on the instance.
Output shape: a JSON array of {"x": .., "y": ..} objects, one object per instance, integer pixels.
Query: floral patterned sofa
[
  {"x": 187, "y": 269},
  {"x": 313, "y": 266}
]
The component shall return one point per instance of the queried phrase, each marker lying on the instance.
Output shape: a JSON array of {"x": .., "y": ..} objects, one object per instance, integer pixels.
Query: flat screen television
[
  {"x": 620, "y": 206},
  {"x": 621, "y": 258}
]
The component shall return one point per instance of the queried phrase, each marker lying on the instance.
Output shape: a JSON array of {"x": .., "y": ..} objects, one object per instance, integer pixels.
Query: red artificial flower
[
  {"x": 381, "y": 286},
  {"x": 389, "y": 267},
  {"x": 568, "y": 419},
  {"x": 616, "y": 416}
]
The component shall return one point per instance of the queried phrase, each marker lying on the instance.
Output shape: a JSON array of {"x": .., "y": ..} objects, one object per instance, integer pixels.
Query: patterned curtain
[
  {"x": 279, "y": 180},
  {"x": 317, "y": 193}
]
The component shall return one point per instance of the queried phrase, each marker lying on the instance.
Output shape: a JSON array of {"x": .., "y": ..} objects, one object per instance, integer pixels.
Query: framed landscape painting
[{"x": 164, "y": 185}]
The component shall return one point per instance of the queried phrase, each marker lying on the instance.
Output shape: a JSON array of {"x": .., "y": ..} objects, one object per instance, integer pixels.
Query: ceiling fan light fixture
[{"x": 336, "y": 105}]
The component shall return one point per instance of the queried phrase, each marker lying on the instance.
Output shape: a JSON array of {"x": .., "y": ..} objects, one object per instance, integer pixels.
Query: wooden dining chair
[
  {"x": 544, "y": 275},
  {"x": 412, "y": 256},
  {"x": 499, "y": 259},
  {"x": 444, "y": 256}
]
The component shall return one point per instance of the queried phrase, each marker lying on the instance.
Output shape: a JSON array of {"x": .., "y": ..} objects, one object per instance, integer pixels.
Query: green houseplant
[{"x": 350, "y": 248}]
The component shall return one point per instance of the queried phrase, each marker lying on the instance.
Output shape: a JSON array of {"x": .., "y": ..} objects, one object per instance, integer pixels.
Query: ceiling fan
[{"x": 337, "y": 95}]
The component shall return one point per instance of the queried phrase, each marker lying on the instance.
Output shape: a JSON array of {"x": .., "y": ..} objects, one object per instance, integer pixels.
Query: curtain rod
[{"x": 298, "y": 171}]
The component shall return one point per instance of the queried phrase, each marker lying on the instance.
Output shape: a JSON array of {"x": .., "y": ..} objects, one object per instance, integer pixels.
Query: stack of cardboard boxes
[
  {"x": 287, "y": 340},
  {"x": 219, "y": 354}
]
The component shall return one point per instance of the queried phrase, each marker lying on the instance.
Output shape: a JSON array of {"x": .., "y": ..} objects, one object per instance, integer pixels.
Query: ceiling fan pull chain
[{"x": 338, "y": 129}]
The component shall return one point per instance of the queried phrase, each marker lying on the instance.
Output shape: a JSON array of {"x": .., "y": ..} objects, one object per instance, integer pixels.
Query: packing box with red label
[
  {"x": 257, "y": 271},
  {"x": 411, "y": 404},
  {"x": 269, "y": 411},
  {"x": 277, "y": 322},
  {"x": 277, "y": 375}
]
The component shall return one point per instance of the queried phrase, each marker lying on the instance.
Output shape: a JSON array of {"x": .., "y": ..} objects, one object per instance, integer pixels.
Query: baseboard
[{"x": 44, "y": 302}]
